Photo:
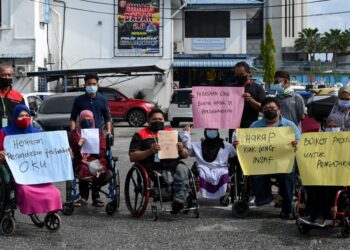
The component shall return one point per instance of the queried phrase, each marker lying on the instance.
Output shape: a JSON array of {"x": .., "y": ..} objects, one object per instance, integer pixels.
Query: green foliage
[
  {"x": 267, "y": 51},
  {"x": 309, "y": 41}
]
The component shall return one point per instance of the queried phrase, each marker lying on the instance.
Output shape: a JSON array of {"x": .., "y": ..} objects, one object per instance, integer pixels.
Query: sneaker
[
  {"x": 319, "y": 222},
  {"x": 305, "y": 220},
  {"x": 176, "y": 206}
]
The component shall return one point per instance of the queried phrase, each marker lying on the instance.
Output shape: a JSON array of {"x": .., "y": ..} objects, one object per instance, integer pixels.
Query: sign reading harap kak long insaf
[
  {"x": 39, "y": 157},
  {"x": 324, "y": 158},
  {"x": 266, "y": 150},
  {"x": 217, "y": 107}
]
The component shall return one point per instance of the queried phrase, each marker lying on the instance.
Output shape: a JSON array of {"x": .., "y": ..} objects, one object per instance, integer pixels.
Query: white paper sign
[
  {"x": 167, "y": 141},
  {"x": 39, "y": 157},
  {"x": 92, "y": 141}
]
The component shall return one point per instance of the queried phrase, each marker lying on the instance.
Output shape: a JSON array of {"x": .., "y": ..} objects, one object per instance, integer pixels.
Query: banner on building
[
  {"x": 323, "y": 159},
  {"x": 137, "y": 27},
  {"x": 266, "y": 150},
  {"x": 217, "y": 107}
]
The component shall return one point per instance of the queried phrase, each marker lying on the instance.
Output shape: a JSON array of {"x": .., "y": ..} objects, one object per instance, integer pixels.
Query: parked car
[
  {"x": 122, "y": 108},
  {"x": 180, "y": 108}
]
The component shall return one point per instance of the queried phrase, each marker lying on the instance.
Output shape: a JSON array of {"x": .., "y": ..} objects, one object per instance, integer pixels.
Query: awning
[{"x": 208, "y": 63}]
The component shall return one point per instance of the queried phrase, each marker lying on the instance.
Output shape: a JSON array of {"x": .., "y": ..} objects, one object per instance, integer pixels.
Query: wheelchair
[
  {"x": 52, "y": 220},
  {"x": 113, "y": 192},
  {"x": 340, "y": 212},
  {"x": 141, "y": 186}
]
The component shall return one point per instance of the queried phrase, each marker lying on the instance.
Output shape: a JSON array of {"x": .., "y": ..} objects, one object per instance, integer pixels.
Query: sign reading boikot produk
[
  {"x": 39, "y": 157},
  {"x": 266, "y": 150},
  {"x": 324, "y": 158},
  {"x": 217, "y": 107}
]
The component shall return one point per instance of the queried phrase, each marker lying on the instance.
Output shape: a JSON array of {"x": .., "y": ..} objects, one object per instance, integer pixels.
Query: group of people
[{"x": 90, "y": 110}]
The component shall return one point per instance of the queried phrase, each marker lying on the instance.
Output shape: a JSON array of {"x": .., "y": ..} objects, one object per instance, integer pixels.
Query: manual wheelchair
[
  {"x": 113, "y": 192},
  {"x": 339, "y": 215},
  {"x": 142, "y": 185},
  {"x": 52, "y": 220}
]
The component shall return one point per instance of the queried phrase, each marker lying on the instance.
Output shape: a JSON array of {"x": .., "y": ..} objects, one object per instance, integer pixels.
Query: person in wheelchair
[
  {"x": 82, "y": 162},
  {"x": 212, "y": 156},
  {"x": 144, "y": 149},
  {"x": 31, "y": 199},
  {"x": 320, "y": 199},
  {"x": 261, "y": 184}
]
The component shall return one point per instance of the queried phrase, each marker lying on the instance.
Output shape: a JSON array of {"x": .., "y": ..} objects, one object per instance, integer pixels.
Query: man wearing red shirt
[{"x": 10, "y": 98}]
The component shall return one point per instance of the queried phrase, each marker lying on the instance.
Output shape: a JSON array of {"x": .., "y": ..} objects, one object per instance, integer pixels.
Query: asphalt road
[{"x": 91, "y": 228}]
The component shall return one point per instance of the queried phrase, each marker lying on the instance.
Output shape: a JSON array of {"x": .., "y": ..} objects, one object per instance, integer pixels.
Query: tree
[
  {"x": 267, "y": 51},
  {"x": 335, "y": 41},
  {"x": 308, "y": 41}
]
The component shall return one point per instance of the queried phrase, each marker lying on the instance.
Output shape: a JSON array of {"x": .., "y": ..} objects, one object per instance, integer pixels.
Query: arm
[
  {"x": 186, "y": 139},
  {"x": 74, "y": 114},
  {"x": 136, "y": 153},
  {"x": 300, "y": 105},
  {"x": 255, "y": 101},
  {"x": 107, "y": 117}
]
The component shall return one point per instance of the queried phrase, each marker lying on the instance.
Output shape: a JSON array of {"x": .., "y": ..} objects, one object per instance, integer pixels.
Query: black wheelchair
[
  {"x": 113, "y": 192},
  {"x": 141, "y": 185},
  {"x": 51, "y": 221}
]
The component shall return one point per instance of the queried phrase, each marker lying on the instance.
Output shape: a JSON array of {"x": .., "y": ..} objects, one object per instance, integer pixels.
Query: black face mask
[
  {"x": 270, "y": 114},
  {"x": 5, "y": 82},
  {"x": 156, "y": 126},
  {"x": 241, "y": 79}
]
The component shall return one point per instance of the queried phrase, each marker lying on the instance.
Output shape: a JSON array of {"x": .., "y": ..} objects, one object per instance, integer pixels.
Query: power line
[{"x": 232, "y": 19}]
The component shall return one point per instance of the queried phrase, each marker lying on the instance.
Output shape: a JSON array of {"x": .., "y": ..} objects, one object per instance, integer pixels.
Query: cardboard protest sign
[
  {"x": 39, "y": 157},
  {"x": 266, "y": 150},
  {"x": 167, "y": 141},
  {"x": 92, "y": 141},
  {"x": 324, "y": 158},
  {"x": 217, "y": 107}
]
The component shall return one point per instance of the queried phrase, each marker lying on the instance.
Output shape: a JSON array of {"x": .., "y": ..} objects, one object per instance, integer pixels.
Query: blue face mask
[
  {"x": 91, "y": 89},
  {"x": 344, "y": 103},
  {"x": 86, "y": 123},
  {"x": 337, "y": 129},
  {"x": 212, "y": 134},
  {"x": 278, "y": 88}
]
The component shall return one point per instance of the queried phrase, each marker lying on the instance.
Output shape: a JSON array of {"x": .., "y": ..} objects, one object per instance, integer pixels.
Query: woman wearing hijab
[
  {"x": 342, "y": 107},
  {"x": 31, "y": 199},
  {"x": 81, "y": 161},
  {"x": 212, "y": 155}
]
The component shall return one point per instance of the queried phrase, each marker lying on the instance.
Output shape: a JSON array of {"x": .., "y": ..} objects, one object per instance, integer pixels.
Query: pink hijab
[{"x": 82, "y": 116}]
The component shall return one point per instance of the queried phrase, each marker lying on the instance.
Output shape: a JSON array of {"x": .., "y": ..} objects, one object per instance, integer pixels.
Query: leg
[
  {"x": 95, "y": 194},
  {"x": 84, "y": 190},
  {"x": 181, "y": 182},
  {"x": 286, "y": 187},
  {"x": 262, "y": 189}
]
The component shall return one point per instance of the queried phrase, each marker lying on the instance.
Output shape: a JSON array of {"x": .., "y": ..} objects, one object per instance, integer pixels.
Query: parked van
[{"x": 180, "y": 108}]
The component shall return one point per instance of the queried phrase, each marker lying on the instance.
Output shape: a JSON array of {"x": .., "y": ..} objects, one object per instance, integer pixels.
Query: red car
[{"x": 122, "y": 108}]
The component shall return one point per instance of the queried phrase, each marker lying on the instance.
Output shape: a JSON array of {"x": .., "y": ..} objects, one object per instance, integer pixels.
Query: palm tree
[
  {"x": 335, "y": 41},
  {"x": 308, "y": 41}
]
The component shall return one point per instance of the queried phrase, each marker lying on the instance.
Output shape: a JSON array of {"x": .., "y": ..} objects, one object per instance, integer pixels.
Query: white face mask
[
  {"x": 337, "y": 129},
  {"x": 344, "y": 103}
]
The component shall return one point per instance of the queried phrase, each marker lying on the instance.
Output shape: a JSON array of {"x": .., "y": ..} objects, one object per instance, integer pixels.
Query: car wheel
[
  {"x": 136, "y": 118},
  {"x": 174, "y": 123}
]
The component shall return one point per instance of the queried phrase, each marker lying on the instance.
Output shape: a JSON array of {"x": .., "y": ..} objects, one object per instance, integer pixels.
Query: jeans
[
  {"x": 262, "y": 189},
  {"x": 177, "y": 181}
]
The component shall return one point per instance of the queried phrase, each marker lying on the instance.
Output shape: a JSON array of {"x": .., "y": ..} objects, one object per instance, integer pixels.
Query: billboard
[{"x": 137, "y": 30}]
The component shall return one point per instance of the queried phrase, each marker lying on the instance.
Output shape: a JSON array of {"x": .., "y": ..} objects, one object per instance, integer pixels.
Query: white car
[
  {"x": 180, "y": 108},
  {"x": 35, "y": 99}
]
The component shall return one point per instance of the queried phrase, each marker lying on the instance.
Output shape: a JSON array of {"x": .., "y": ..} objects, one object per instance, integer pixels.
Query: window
[
  {"x": 60, "y": 105},
  {"x": 255, "y": 27},
  {"x": 207, "y": 24},
  {"x": 34, "y": 103},
  {"x": 110, "y": 96},
  {"x": 182, "y": 97}
]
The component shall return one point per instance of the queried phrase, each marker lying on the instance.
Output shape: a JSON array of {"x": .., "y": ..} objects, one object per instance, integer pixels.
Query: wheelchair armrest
[{"x": 109, "y": 140}]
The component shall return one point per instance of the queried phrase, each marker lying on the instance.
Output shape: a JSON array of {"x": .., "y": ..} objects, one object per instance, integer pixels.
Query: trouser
[
  {"x": 320, "y": 200},
  {"x": 84, "y": 190},
  {"x": 177, "y": 180},
  {"x": 263, "y": 194}
]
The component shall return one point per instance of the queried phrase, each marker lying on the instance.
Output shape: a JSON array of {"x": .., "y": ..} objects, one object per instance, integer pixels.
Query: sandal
[
  {"x": 98, "y": 203},
  {"x": 80, "y": 202}
]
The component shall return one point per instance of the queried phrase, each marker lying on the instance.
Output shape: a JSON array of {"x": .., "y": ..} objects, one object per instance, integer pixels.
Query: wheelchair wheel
[
  {"x": 303, "y": 228},
  {"x": 8, "y": 225},
  {"x": 36, "y": 220},
  {"x": 68, "y": 208},
  {"x": 225, "y": 201},
  {"x": 240, "y": 209},
  {"x": 2, "y": 195},
  {"x": 345, "y": 228},
  {"x": 117, "y": 188},
  {"x": 111, "y": 207},
  {"x": 52, "y": 222},
  {"x": 295, "y": 213},
  {"x": 137, "y": 190}
]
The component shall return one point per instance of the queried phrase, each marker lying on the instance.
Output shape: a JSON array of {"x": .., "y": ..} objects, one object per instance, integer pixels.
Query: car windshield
[
  {"x": 181, "y": 97},
  {"x": 58, "y": 105}
]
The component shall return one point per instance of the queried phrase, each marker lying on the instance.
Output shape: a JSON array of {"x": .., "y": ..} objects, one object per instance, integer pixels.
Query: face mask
[
  {"x": 278, "y": 87},
  {"x": 241, "y": 79},
  {"x": 270, "y": 114},
  {"x": 5, "y": 82},
  {"x": 24, "y": 122},
  {"x": 212, "y": 134},
  {"x": 337, "y": 129},
  {"x": 86, "y": 123},
  {"x": 91, "y": 89},
  {"x": 344, "y": 103},
  {"x": 156, "y": 126}
]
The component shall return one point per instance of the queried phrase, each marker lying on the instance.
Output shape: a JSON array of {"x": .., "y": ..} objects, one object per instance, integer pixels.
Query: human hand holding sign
[
  {"x": 155, "y": 148},
  {"x": 2, "y": 155},
  {"x": 81, "y": 142}
]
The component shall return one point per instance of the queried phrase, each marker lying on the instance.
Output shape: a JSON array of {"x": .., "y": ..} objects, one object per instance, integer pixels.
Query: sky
[{"x": 324, "y": 23}]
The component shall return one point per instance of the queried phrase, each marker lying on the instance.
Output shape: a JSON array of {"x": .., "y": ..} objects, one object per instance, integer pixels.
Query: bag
[{"x": 95, "y": 167}]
